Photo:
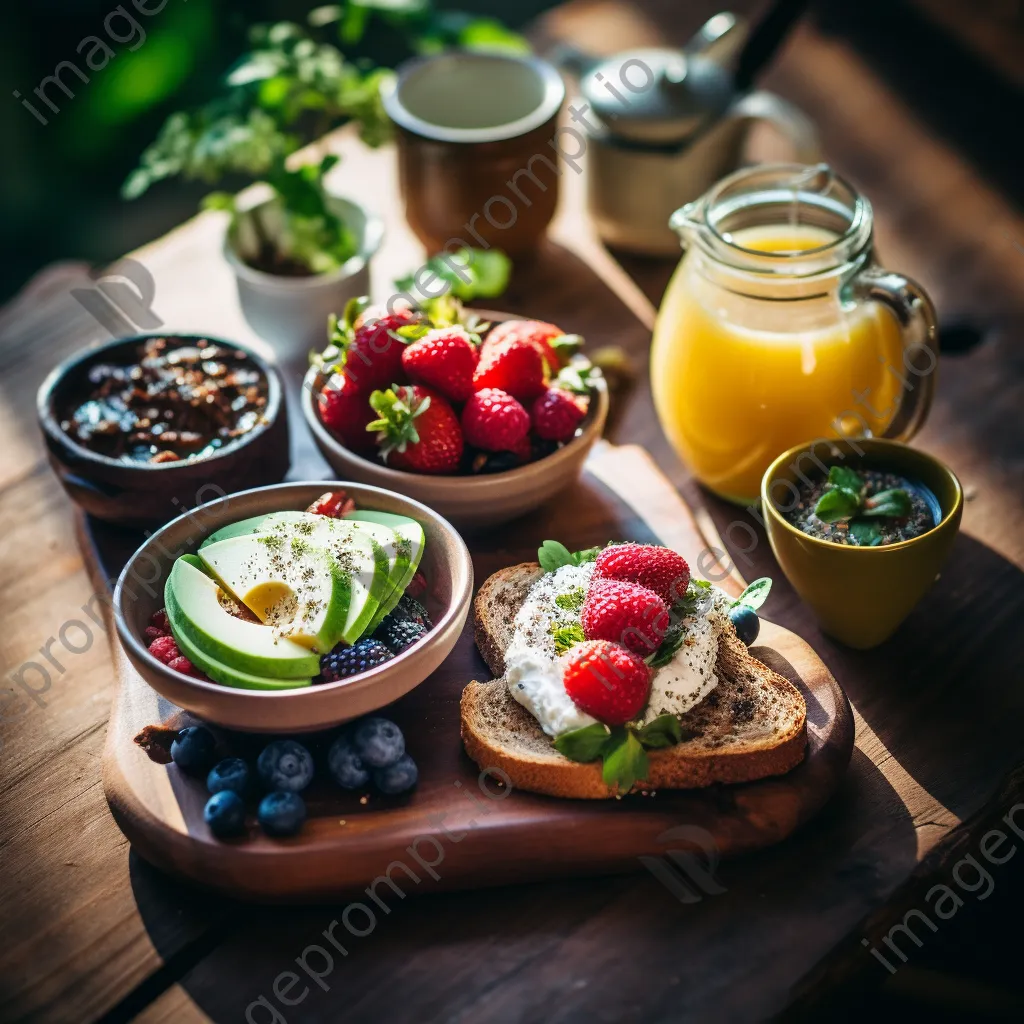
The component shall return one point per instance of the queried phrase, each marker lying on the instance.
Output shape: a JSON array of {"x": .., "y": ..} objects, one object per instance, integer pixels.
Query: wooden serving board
[{"x": 450, "y": 832}]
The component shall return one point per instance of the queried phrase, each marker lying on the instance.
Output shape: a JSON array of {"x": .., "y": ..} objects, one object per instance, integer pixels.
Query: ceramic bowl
[
  {"x": 139, "y": 593},
  {"x": 471, "y": 502},
  {"x": 860, "y": 595},
  {"x": 144, "y": 495}
]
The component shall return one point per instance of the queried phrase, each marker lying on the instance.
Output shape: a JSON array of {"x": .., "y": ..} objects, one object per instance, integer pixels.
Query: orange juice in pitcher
[{"x": 778, "y": 328}]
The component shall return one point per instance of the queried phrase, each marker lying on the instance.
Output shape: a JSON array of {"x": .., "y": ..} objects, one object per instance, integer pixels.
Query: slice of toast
[{"x": 752, "y": 725}]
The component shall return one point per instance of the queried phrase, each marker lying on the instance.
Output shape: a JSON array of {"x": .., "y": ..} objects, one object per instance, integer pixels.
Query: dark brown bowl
[{"x": 142, "y": 494}]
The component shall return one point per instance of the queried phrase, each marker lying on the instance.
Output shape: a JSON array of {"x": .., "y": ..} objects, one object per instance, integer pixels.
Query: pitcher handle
[
  {"x": 920, "y": 331},
  {"x": 790, "y": 120}
]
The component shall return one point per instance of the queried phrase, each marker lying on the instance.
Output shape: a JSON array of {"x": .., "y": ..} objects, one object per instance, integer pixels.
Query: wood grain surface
[{"x": 89, "y": 929}]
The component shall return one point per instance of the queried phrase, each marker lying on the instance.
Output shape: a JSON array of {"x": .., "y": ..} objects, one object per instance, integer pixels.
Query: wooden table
[{"x": 90, "y": 930}]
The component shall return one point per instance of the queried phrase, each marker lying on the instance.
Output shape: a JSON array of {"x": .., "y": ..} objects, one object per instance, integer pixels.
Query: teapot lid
[{"x": 661, "y": 95}]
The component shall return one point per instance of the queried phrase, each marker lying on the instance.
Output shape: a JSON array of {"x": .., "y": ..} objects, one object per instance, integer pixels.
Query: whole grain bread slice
[{"x": 752, "y": 725}]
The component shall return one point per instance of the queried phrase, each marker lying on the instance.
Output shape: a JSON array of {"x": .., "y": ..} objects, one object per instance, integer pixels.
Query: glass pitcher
[{"x": 779, "y": 327}]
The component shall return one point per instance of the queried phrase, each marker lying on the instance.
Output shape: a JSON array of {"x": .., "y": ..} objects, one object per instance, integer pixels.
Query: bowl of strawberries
[{"x": 480, "y": 415}]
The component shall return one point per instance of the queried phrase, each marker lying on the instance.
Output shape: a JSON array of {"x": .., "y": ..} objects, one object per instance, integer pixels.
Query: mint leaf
[
  {"x": 664, "y": 731},
  {"x": 670, "y": 644},
  {"x": 586, "y": 555},
  {"x": 583, "y": 744},
  {"x": 894, "y": 503},
  {"x": 756, "y": 593},
  {"x": 567, "y": 637},
  {"x": 553, "y": 555},
  {"x": 837, "y": 504},
  {"x": 625, "y": 760},
  {"x": 845, "y": 479},
  {"x": 866, "y": 532}
]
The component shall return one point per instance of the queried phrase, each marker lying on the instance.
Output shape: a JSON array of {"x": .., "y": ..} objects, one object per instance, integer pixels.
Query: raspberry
[
  {"x": 624, "y": 613},
  {"x": 445, "y": 359},
  {"x": 556, "y": 414},
  {"x": 606, "y": 681},
  {"x": 151, "y": 633},
  {"x": 182, "y": 664},
  {"x": 160, "y": 621},
  {"x": 343, "y": 662},
  {"x": 494, "y": 421},
  {"x": 657, "y": 568},
  {"x": 333, "y": 504},
  {"x": 164, "y": 649},
  {"x": 417, "y": 587},
  {"x": 514, "y": 366}
]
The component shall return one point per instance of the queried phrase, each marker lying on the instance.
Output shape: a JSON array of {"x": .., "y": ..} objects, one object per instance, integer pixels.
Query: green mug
[{"x": 859, "y": 594}]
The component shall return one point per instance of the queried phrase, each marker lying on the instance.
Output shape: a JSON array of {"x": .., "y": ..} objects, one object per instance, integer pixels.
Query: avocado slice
[
  {"x": 226, "y": 675},
  {"x": 297, "y": 588},
  {"x": 195, "y": 611},
  {"x": 410, "y": 534},
  {"x": 239, "y": 529}
]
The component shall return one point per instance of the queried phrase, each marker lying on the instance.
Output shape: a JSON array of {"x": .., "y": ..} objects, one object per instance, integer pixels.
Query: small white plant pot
[{"x": 291, "y": 312}]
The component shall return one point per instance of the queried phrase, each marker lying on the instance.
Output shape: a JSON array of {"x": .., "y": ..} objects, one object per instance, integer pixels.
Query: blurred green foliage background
[{"x": 61, "y": 181}]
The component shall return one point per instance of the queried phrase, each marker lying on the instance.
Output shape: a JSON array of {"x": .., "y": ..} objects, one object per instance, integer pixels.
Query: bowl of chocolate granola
[
  {"x": 861, "y": 529},
  {"x": 141, "y": 429}
]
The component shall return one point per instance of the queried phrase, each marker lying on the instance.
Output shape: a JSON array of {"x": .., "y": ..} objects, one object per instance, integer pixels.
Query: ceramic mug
[{"x": 477, "y": 148}]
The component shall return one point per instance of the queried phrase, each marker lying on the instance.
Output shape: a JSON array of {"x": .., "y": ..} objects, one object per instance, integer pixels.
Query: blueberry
[
  {"x": 281, "y": 814},
  {"x": 378, "y": 742},
  {"x": 230, "y": 774},
  {"x": 285, "y": 765},
  {"x": 747, "y": 624},
  {"x": 398, "y": 777},
  {"x": 346, "y": 768},
  {"x": 194, "y": 750},
  {"x": 225, "y": 814}
]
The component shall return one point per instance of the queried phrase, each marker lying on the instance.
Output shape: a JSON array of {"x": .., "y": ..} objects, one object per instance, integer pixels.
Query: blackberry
[
  {"x": 343, "y": 662},
  {"x": 409, "y": 608},
  {"x": 397, "y": 634}
]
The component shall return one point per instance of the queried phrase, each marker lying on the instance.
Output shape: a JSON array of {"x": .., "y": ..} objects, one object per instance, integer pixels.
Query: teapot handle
[
  {"x": 915, "y": 313},
  {"x": 790, "y": 120}
]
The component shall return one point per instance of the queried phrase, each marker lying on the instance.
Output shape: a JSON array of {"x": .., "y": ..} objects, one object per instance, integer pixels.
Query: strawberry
[
  {"x": 606, "y": 681},
  {"x": 649, "y": 565},
  {"x": 557, "y": 413},
  {"x": 418, "y": 429},
  {"x": 552, "y": 342},
  {"x": 494, "y": 421},
  {"x": 164, "y": 649},
  {"x": 345, "y": 410},
  {"x": 370, "y": 344},
  {"x": 444, "y": 359},
  {"x": 624, "y": 613},
  {"x": 334, "y": 504},
  {"x": 514, "y": 366}
]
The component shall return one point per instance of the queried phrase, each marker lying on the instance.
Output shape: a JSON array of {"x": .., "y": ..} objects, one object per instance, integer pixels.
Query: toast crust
[{"x": 721, "y": 742}]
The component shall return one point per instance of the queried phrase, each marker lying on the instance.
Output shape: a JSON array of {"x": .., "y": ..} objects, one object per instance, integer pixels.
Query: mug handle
[
  {"x": 790, "y": 120},
  {"x": 919, "y": 328}
]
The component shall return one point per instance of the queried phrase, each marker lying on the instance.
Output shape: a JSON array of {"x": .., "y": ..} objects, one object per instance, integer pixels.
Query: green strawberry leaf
[
  {"x": 552, "y": 555},
  {"x": 354, "y": 308},
  {"x": 866, "y": 532},
  {"x": 583, "y": 744},
  {"x": 756, "y": 593},
  {"x": 567, "y": 637},
  {"x": 578, "y": 377},
  {"x": 664, "y": 731},
  {"x": 837, "y": 504},
  {"x": 625, "y": 760},
  {"x": 894, "y": 503}
]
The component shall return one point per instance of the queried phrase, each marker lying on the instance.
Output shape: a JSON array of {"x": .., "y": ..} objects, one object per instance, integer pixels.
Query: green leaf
[
  {"x": 664, "y": 731},
  {"x": 670, "y": 644},
  {"x": 567, "y": 637},
  {"x": 625, "y": 760},
  {"x": 845, "y": 478},
  {"x": 219, "y": 201},
  {"x": 552, "y": 555},
  {"x": 894, "y": 503},
  {"x": 837, "y": 504},
  {"x": 866, "y": 532},
  {"x": 572, "y": 600},
  {"x": 756, "y": 593},
  {"x": 583, "y": 744},
  {"x": 579, "y": 377},
  {"x": 586, "y": 555}
]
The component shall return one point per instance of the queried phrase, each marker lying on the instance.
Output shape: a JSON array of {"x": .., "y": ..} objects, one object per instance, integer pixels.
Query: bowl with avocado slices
[{"x": 288, "y": 609}]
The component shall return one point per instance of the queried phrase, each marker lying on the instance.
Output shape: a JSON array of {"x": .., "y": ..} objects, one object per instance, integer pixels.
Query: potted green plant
[{"x": 299, "y": 250}]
